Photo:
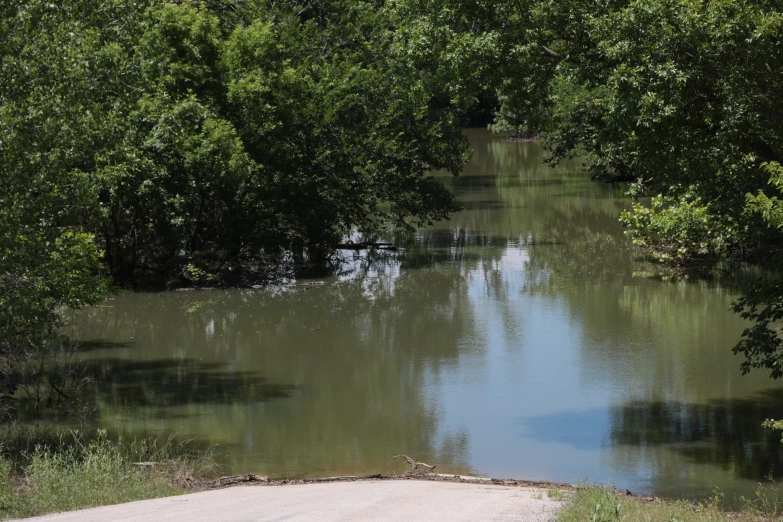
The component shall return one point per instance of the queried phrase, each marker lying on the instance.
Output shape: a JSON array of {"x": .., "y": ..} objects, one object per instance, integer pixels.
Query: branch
[
  {"x": 551, "y": 52},
  {"x": 415, "y": 464}
]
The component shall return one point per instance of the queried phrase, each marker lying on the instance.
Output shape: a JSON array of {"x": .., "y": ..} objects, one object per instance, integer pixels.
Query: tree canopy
[
  {"x": 208, "y": 134},
  {"x": 180, "y": 142}
]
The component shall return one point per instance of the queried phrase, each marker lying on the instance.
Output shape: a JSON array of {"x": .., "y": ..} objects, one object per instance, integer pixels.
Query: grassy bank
[
  {"x": 597, "y": 504},
  {"x": 75, "y": 471}
]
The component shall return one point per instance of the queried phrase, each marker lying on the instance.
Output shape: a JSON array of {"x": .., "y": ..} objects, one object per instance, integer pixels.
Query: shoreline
[{"x": 252, "y": 479}]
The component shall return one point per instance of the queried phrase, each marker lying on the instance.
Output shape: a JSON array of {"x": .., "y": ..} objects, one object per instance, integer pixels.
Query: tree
[{"x": 220, "y": 135}]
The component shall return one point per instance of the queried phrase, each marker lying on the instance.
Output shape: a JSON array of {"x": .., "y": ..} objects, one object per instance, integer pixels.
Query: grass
[
  {"x": 556, "y": 494},
  {"x": 77, "y": 472},
  {"x": 598, "y": 504}
]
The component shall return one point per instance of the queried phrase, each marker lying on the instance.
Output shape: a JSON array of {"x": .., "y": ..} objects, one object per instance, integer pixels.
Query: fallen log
[
  {"x": 238, "y": 479},
  {"x": 347, "y": 478},
  {"x": 364, "y": 246}
]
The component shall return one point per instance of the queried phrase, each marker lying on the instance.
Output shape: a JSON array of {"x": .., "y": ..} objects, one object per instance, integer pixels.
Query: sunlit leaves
[{"x": 770, "y": 208}]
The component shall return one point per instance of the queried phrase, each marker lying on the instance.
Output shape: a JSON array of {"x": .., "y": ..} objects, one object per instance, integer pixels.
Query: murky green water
[{"x": 521, "y": 339}]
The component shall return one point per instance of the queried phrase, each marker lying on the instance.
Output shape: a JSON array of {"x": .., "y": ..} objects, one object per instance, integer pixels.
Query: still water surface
[{"x": 523, "y": 338}]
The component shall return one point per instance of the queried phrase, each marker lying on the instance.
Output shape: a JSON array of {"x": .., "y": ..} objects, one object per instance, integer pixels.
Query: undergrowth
[{"x": 74, "y": 471}]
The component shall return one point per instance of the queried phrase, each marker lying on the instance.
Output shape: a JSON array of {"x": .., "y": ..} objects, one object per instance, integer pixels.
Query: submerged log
[{"x": 363, "y": 246}]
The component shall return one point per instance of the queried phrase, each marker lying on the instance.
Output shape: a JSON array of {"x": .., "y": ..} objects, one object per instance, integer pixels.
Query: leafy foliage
[
  {"x": 678, "y": 229},
  {"x": 217, "y": 134},
  {"x": 775, "y": 425},
  {"x": 770, "y": 207},
  {"x": 762, "y": 343}
]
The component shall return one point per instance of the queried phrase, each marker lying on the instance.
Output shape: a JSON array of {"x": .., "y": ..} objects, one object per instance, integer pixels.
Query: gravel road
[{"x": 407, "y": 500}]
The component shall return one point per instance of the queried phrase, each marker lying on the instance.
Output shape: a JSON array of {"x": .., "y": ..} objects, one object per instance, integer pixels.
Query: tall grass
[
  {"x": 598, "y": 504},
  {"x": 77, "y": 472},
  {"x": 767, "y": 502}
]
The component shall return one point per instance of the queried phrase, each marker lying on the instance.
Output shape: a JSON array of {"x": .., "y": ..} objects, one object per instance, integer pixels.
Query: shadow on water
[
  {"x": 484, "y": 205},
  {"x": 474, "y": 182},
  {"x": 176, "y": 382},
  {"x": 725, "y": 433},
  {"x": 95, "y": 345},
  {"x": 434, "y": 258}
]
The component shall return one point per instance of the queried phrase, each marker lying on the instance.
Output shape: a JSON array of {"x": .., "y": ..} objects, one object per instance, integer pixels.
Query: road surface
[{"x": 407, "y": 500}]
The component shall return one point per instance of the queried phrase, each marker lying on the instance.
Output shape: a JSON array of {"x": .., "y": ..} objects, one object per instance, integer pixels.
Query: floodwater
[{"x": 524, "y": 338}]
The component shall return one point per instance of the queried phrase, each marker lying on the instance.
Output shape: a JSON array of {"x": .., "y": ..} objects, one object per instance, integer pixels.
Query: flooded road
[{"x": 523, "y": 338}]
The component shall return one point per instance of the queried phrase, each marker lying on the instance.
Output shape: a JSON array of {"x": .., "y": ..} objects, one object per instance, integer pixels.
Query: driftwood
[
  {"x": 416, "y": 465},
  {"x": 238, "y": 479},
  {"x": 235, "y": 480},
  {"x": 367, "y": 246},
  {"x": 345, "y": 478}
]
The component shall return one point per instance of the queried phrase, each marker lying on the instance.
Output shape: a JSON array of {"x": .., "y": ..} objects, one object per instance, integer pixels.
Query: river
[{"x": 525, "y": 337}]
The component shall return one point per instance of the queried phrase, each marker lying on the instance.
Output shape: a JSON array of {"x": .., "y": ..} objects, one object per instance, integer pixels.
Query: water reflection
[
  {"x": 514, "y": 340},
  {"x": 311, "y": 380},
  {"x": 722, "y": 432},
  {"x": 166, "y": 383},
  {"x": 682, "y": 448}
]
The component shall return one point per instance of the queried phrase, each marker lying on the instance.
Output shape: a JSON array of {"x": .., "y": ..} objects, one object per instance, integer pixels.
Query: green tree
[{"x": 217, "y": 135}]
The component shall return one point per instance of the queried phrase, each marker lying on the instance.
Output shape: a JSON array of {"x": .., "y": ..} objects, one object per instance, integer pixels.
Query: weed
[
  {"x": 597, "y": 504},
  {"x": 767, "y": 502},
  {"x": 555, "y": 494}
]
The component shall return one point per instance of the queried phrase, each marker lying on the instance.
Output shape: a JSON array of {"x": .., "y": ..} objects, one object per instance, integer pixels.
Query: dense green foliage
[
  {"x": 208, "y": 135},
  {"x": 684, "y": 97}
]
